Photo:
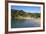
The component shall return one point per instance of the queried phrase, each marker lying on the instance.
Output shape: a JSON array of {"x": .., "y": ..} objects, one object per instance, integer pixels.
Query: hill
[{"x": 22, "y": 14}]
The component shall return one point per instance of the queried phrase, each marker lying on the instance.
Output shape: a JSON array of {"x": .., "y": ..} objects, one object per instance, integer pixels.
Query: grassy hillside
[{"x": 22, "y": 14}]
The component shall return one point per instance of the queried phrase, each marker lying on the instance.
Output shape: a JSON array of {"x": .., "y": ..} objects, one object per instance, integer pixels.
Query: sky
[{"x": 30, "y": 9}]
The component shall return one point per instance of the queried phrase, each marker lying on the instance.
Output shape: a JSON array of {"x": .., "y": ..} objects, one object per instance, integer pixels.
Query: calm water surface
[{"x": 22, "y": 23}]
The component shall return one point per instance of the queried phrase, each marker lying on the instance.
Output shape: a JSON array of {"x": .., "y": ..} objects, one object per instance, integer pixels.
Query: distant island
[{"x": 21, "y": 14}]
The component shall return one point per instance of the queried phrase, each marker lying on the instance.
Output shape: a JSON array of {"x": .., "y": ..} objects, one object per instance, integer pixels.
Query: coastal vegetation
[{"x": 21, "y": 14}]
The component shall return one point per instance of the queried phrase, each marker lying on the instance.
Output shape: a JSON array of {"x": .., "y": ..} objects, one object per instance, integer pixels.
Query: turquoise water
[{"x": 23, "y": 23}]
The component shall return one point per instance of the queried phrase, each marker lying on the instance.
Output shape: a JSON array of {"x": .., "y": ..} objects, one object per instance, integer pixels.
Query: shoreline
[
  {"x": 25, "y": 18},
  {"x": 33, "y": 19}
]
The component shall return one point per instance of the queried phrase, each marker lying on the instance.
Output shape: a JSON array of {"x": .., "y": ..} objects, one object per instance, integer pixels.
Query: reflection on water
[{"x": 22, "y": 23}]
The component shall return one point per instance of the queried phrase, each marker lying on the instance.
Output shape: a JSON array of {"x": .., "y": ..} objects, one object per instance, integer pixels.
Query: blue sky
[{"x": 30, "y": 9}]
